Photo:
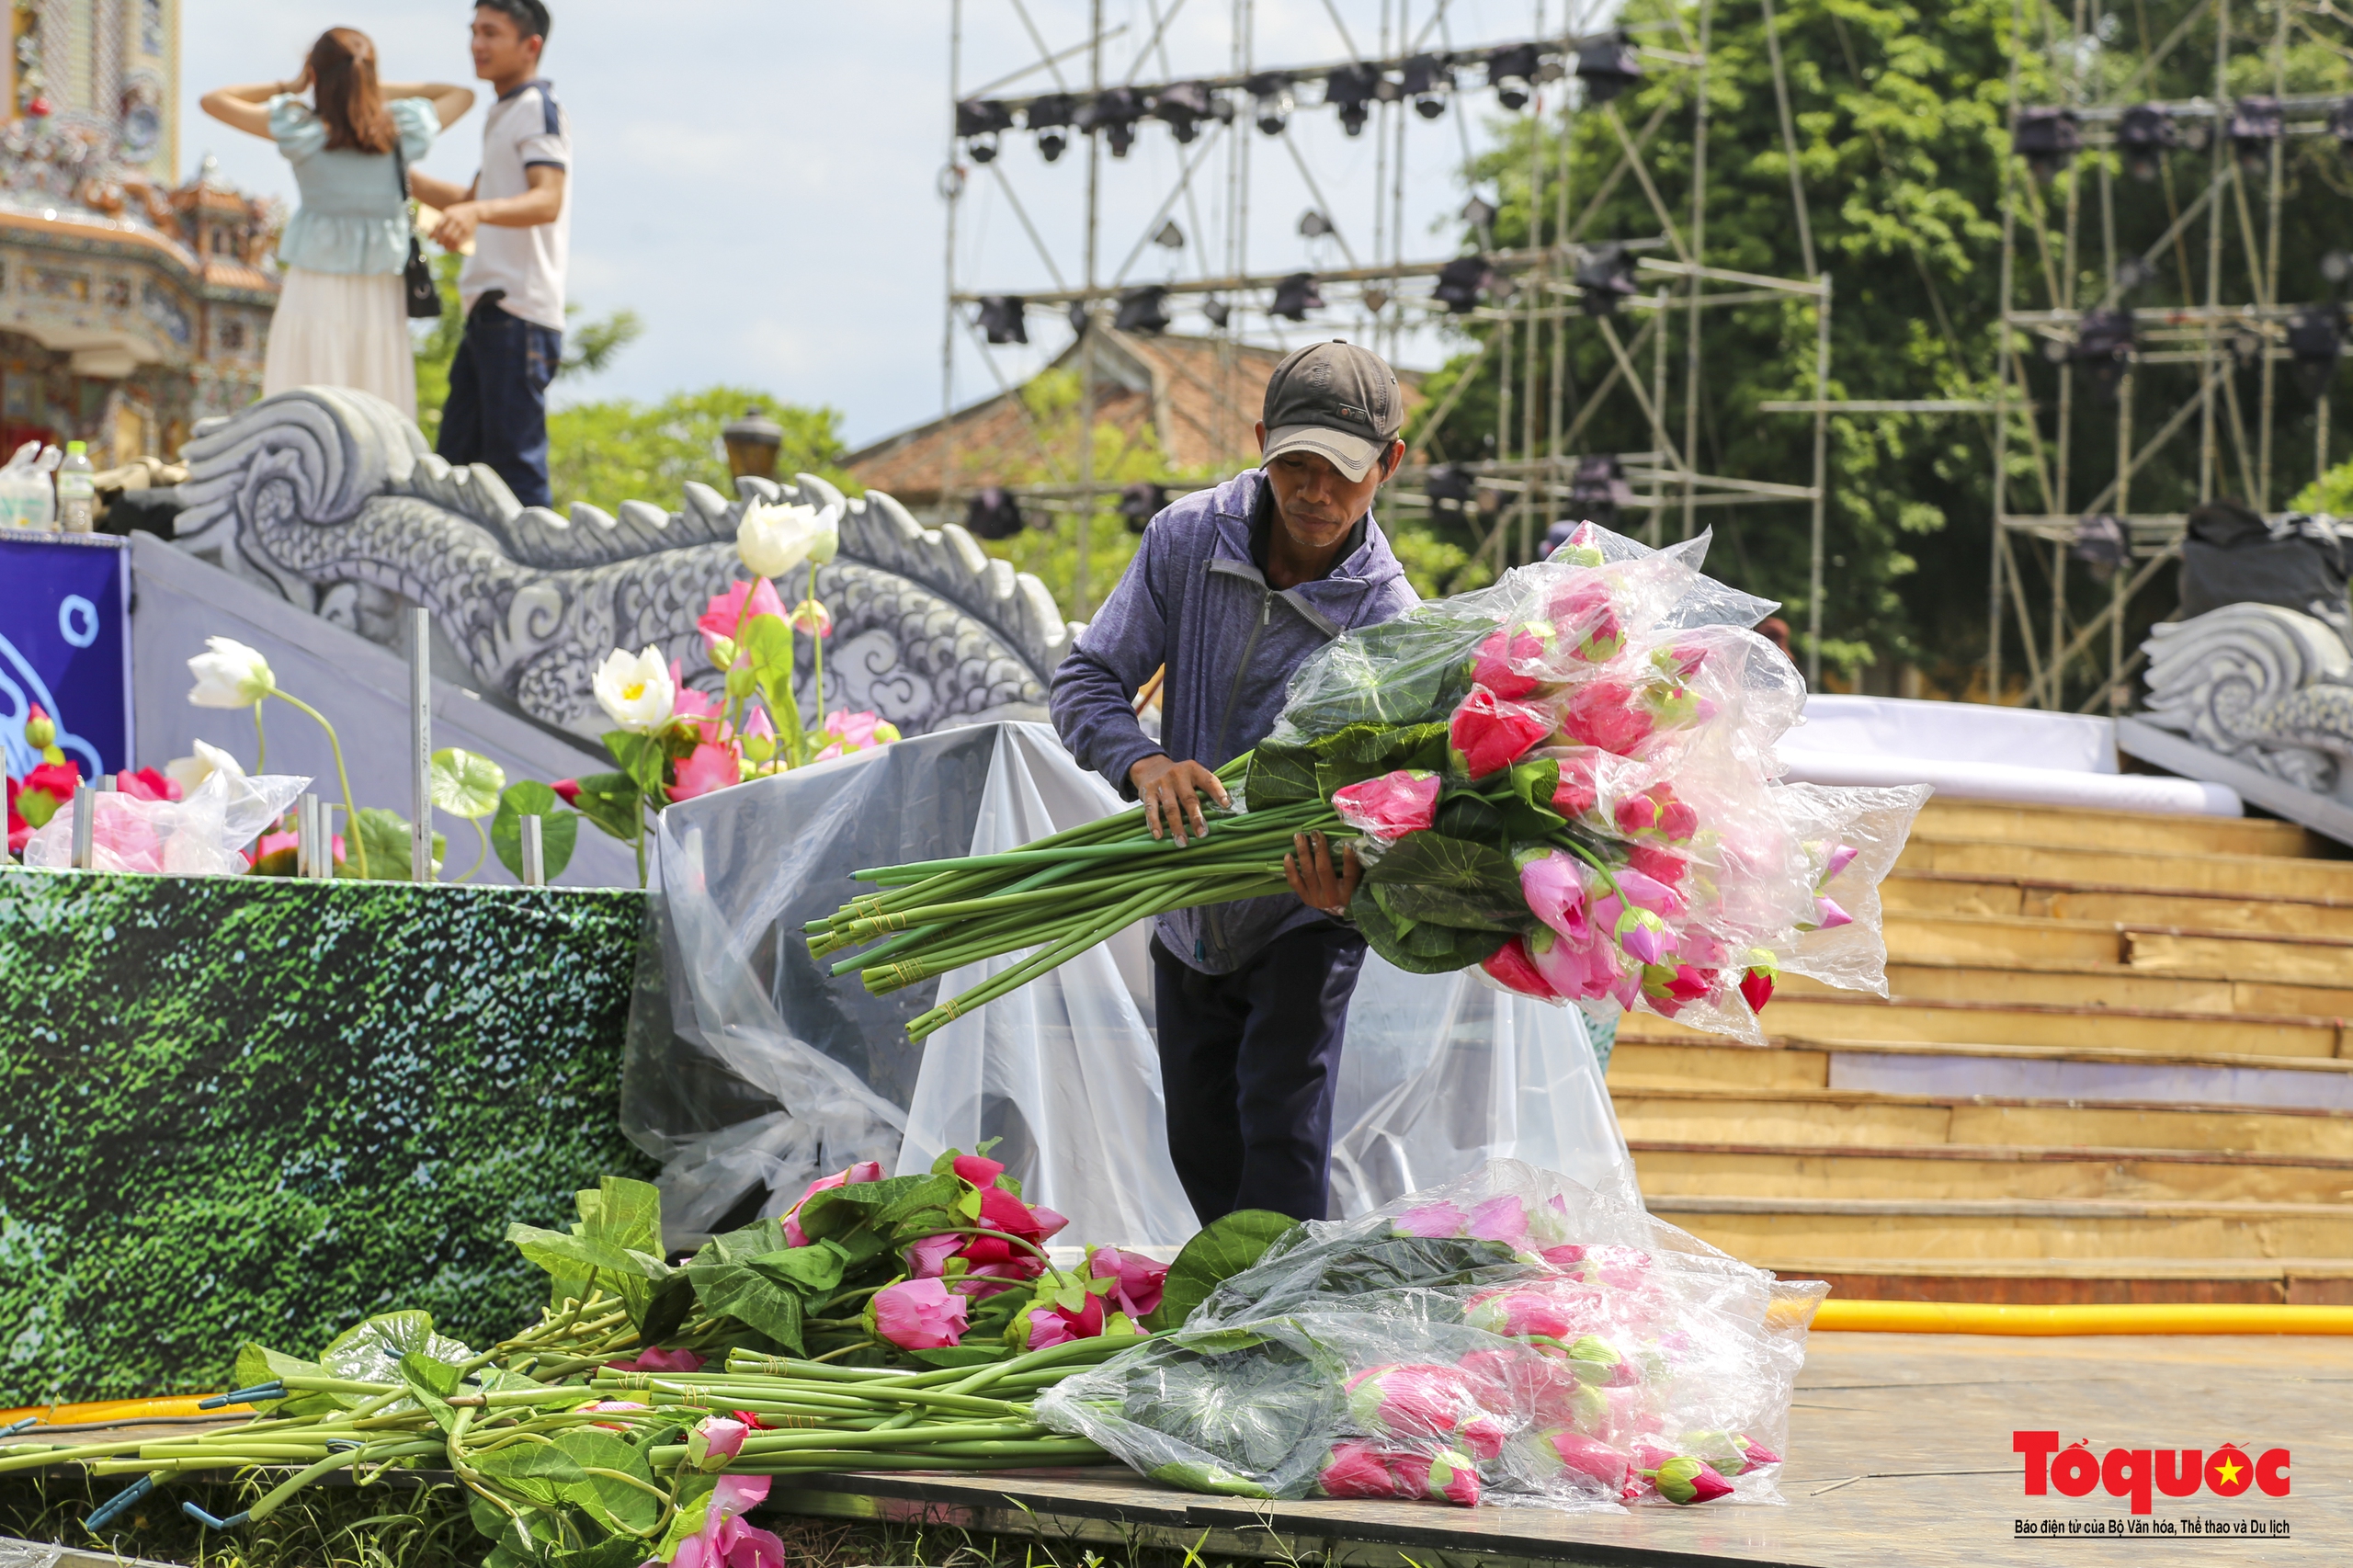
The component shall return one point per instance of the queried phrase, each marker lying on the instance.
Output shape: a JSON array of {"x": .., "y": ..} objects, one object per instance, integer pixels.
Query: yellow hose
[
  {"x": 1967, "y": 1317},
  {"x": 119, "y": 1410}
]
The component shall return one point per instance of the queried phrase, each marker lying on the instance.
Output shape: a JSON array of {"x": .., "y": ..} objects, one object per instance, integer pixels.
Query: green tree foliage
[
  {"x": 1900, "y": 116},
  {"x": 604, "y": 453}
]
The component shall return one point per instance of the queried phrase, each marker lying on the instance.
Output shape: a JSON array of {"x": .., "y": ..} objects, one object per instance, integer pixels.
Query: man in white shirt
[{"x": 517, "y": 213}]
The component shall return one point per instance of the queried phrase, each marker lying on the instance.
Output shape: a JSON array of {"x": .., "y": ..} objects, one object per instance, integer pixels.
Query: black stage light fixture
[
  {"x": 2046, "y": 138},
  {"x": 1461, "y": 282},
  {"x": 978, "y": 121},
  {"x": 1447, "y": 485},
  {"x": 1271, "y": 100},
  {"x": 2143, "y": 137},
  {"x": 1184, "y": 105},
  {"x": 2316, "y": 338},
  {"x": 1480, "y": 215},
  {"x": 1114, "y": 111},
  {"x": 1511, "y": 71},
  {"x": 1142, "y": 502},
  {"x": 1168, "y": 236},
  {"x": 1375, "y": 300},
  {"x": 1002, "y": 318},
  {"x": 2101, "y": 544},
  {"x": 1078, "y": 317},
  {"x": 2257, "y": 125},
  {"x": 2340, "y": 125},
  {"x": 1604, "y": 277},
  {"x": 1314, "y": 224},
  {"x": 2104, "y": 348},
  {"x": 1351, "y": 89},
  {"x": 1295, "y": 296},
  {"x": 1427, "y": 80},
  {"x": 1143, "y": 310},
  {"x": 1217, "y": 310},
  {"x": 1607, "y": 65},
  {"x": 993, "y": 514},
  {"x": 1598, "y": 488},
  {"x": 1050, "y": 117}
]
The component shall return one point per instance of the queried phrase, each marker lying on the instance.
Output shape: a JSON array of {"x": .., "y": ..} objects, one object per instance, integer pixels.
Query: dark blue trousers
[
  {"x": 1249, "y": 1063},
  {"x": 497, "y": 411}
]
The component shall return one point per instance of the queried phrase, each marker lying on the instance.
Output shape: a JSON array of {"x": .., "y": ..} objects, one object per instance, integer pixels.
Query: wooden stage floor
[{"x": 1901, "y": 1455}]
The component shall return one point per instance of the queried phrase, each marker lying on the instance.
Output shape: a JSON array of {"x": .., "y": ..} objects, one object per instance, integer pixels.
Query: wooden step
[
  {"x": 2244, "y": 876},
  {"x": 1941, "y": 892},
  {"x": 2311, "y": 1281},
  {"x": 1848, "y": 1119},
  {"x": 2281, "y": 960},
  {"x": 2016, "y": 942},
  {"x": 2091, "y": 985},
  {"x": 1867, "y": 1230},
  {"x": 2149, "y": 831},
  {"x": 1834, "y": 1015},
  {"x": 1976, "y": 1170}
]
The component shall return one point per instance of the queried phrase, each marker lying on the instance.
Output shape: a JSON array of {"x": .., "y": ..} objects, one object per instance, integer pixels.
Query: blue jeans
[
  {"x": 1249, "y": 1066},
  {"x": 497, "y": 411}
]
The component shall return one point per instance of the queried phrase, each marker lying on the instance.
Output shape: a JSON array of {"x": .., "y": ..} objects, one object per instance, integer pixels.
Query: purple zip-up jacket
[{"x": 1193, "y": 600}]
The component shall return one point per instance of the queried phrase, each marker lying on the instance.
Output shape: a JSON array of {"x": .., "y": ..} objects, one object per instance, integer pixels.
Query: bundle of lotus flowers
[{"x": 1566, "y": 779}]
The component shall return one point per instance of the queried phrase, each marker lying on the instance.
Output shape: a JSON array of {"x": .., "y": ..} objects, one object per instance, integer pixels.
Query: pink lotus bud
[
  {"x": 1388, "y": 808},
  {"x": 1440, "y": 1218},
  {"x": 1499, "y": 1218},
  {"x": 1358, "y": 1469},
  {"x": 979, "y": 1169},
  {"x": 857, "y": 1175},
  {"x": 917, "y": 1314},
  {"x": 1582, "y": 547},
  {"x": 1661, "y": 865},
  {"x": 927, "y": 1259},
  {"x": 1443, "y": 1477},
  {"x": 1511, "y": 967},
  {"x": 1598, "y": 1362},
  {"x": 715, "y": 1440},
  {"x": 1555, "y": 887},
  {"x": 1490, "y": 734},
  {"x": 1053, "y": 1324},
  {"x": 1645, "y": 936},
  {"x": 1756, "y": 988},
  {"x": 1576, "y": 792},
  {"x": 1518, "y": 1311},
  {"x": 654, "y": 1358},
  {"x": 1828, "y": 916},
  {"x": 1589, "y": 1457},
  {"x": 813, "y": 618},
  {"x": 1840, "y": 858},
  {"x": 1604, "y": 713},
  {"x": 1503, "y": 659},
  {"x": 1586, "y": 615},
  {"x": 1679, "y": 662},
  {"x": 1141, "y": 1278}
]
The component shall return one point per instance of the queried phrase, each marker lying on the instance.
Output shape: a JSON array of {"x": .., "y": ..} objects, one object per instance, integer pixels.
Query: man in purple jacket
[{"x": 1232, "y": 590}]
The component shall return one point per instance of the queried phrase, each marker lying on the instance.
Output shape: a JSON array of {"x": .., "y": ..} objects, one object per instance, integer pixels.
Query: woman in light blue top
[{"x": 342, "y": 314}]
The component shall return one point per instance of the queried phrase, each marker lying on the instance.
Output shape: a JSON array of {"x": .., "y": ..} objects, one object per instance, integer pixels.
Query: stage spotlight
[
  {"x": 2101, "y": 543},
  {"x": 2131, "y": 273},
  {"x": 2246, "y": 348},
  {"x": 1184, "y": 105},
  {"x": 1351, "y": 89},
  {"x": 2143, "y": 137},
  {"x": 1168, "y": 236},
  {"x": 1375, "y": 300},
  {"x": 2337, "y": 265},
  {"x": 1078, "y": 317},
  {"x": 1217, "y": 310},
  {"x": 978, "y": 121},
  {"x": 2257, "y": 125},
  {"x": 1050, "y": 117},
  {"x": 2046, "y": 138},
  {"x": 1607, "y": 65},
  {"x": 993, "y": 514},
  {"x": 1295, "y": 296},
  {"x": 1428, "y": 81},
  {"x": 1481, "y": 216},
  {"x": 1142, "y": 502},
  {"x": 1461, "y": 282},
  {"x": 2316, "y": 338},
  {"x": 1511, "y": 71},
  {"x": 2104, "y": 348},
  {"x": 1314, "y": 224},
  {"x": 1598, "y": 488},
  {"x": 1604, "y": 277},
  {"x": 1447, "y": 485},
  {"x": 1272, "y": 101},
  {"x": 1002, "y": 318},
  {"x": 1143, "y": 311},
  {"x": 1114, "y": 111}
]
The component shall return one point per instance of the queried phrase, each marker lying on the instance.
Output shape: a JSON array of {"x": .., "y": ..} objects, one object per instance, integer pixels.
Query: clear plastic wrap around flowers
[
  {"x": 1510, "y": 1337},
  {"x": 1569, "y": 779}
]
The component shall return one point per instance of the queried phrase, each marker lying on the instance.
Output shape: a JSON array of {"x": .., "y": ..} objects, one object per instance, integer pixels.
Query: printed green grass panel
[{"x": 263, "y": 1109}]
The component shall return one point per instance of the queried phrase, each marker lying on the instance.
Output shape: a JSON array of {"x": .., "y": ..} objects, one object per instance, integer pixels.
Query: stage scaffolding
[
  {"x": 1532, "y": 303},
  {"x": 2130, "y": 335}
]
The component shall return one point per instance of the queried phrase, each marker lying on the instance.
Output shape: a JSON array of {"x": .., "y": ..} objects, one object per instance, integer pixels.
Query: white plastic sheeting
[{"x": 750, "y": 1071}]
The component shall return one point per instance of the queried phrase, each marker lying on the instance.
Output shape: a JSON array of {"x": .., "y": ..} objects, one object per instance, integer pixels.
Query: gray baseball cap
[{"x": 1335, "y": 400}]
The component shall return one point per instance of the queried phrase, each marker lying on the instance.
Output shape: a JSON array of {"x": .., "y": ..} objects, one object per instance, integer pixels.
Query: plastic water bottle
[
  {"x": 76, "y": 495},
  {"x": 17, "y": 480}
]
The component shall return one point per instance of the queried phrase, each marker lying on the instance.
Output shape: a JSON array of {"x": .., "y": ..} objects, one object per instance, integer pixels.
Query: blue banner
[{"x": 65, "y": 646}]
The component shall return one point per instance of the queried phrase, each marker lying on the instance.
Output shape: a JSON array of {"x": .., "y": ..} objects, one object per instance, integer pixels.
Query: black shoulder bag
[{"x": 417, "y": 279}]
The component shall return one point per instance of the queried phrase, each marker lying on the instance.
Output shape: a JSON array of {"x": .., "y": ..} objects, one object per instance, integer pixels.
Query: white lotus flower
[
  {"x": 635, "y": 689},
  {"x": 230, "y": 675},
  {"x": 190, "y": 772},
  {"x": 774, "y": 540}
]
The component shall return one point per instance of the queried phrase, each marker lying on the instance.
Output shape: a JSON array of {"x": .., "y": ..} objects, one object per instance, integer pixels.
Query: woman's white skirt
[{"x": 339, "y": 329}]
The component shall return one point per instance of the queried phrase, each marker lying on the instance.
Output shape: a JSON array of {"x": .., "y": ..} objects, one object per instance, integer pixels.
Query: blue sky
[{"x": 759, "y": 179}]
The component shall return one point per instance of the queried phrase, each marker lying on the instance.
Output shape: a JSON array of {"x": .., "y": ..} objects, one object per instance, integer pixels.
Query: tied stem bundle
[{"x": 1054, "y": 898}]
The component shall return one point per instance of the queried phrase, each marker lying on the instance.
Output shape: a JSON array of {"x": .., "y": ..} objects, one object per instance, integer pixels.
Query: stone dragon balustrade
[
  {"x": 331, "y": 498},
  {"x": 2269, "y": 687}
]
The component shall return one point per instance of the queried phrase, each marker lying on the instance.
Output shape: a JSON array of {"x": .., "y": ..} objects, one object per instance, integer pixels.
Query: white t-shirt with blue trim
[{"x": 524, "y": 127}]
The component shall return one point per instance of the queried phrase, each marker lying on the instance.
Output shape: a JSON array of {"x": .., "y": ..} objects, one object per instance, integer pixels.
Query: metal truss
[
  {"x": 1529, "y": 296},
  {"x": 2127, "y": 341}
]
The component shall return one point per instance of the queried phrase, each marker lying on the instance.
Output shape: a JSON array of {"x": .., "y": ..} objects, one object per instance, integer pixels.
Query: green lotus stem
[
  {"x": 1590, "y": 858},
  {"x": 350, "y": 810},
  {"x": 261, "y": 738},
  {"x": 1051, "y": 1356},
  {"x": 847, "y": 1349},
  {"x": 481, "y": 855}
]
